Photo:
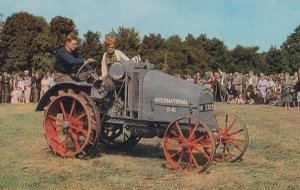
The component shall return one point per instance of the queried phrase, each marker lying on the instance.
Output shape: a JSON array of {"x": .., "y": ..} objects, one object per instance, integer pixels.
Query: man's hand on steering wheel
[
  {"x": 89, "y": 61},
  {"x": 87, "y": 70}
]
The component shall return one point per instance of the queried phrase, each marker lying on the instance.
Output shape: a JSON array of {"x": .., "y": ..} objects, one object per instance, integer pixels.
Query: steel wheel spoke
[
  {"x": 239, "y": 140},
  {"x": 199, "y": 139},
  {"x": 236, "y": 146},
  {"x": 63, "y": 109},
  {"x": 176, "y": 135},
  {"x": 81, "y": 115},
  {"x": 56, "y": 124},
  {"x": 230, "y": 126},
  {"x": 180, "y": 158},
  {"x": 179, "y": 130},
  {"x": 193, "y": 132},
  {"x": 202, "y": 153},
  {"x": 75, "y": 140},
  {"x": 218, "y": 124},
  {"x": 230, "y": 155},
  {"x": 84, "y": 132},
  {"x": 72, "y": 108},
  {"x": 236, "y": 132},
  {"x": 54, "y": 118},
  {"x": 176, "y": 153},
  {"x": 195, "y": 161},
  {"x": 54, "y": 139}
]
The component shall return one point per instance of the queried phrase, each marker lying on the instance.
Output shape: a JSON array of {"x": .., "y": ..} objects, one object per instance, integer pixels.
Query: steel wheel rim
[
  {"x": 231, "y": 139},
  {"x": 191, "y": 150}
]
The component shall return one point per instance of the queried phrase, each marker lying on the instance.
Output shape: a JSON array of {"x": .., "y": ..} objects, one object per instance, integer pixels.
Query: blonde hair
[{"x": 110, "y": 40}]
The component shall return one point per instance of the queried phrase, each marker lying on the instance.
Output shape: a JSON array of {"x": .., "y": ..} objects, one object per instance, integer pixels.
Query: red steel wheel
[
  {"x": 70, "y": 125},
  {"x": 231, "y": 139},
  {"x": 189, "y": 145}
]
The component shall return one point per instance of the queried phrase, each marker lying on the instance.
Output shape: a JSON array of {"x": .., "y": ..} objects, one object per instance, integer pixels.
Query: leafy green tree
[
  {"x": 191, "y": 41},
  {"x": 43, "y": 54},
  {"x": 285, "y": 65},
  {"x": 1, "y": 22},
  {"x": 217, "y": 52},
  {"x": 60, "y": 27},
  {"x": 197, "y": 60},
  {"x": 274, "y": 60},
  {"x": 128, "y": 40},
  {"x": 26, "y": 41},
  {"x": 177, "y": 57},
  {"x": 196, "y": 55},
  {"x": 1, "y": 44},
  {"x": 91, "y": 46},
  {"x": 244, "y": 59},
  {"x": 152, "y": 49},
  {"x": 291, "y": 48}
]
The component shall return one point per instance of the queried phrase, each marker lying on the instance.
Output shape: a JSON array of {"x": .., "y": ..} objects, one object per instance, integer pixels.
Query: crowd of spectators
[
  {"x": 281, "y": 89},
  {"x": 24, "y": 87}
]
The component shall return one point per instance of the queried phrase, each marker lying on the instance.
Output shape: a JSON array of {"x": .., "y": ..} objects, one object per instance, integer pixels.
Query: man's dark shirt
[{"x": 65, "y": 60}]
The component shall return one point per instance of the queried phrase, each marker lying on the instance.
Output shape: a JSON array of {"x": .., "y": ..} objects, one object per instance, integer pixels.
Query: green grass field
[{"x": 271, "y": 162}]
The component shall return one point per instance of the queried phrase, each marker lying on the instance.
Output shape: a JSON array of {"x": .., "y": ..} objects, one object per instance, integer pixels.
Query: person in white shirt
[
  {"x": 251, "y": 81},
  {"x": 111, "y": 55},
  {"x": 27, "y": 86},
  {"x": 45, "y": 84},
  {"x": 262, "y": 85},
  {"x": 21, "y": 82}
]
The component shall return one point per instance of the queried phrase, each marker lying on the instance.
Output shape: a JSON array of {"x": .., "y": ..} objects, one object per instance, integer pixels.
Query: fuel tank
[{"x": 165, "y": 98}]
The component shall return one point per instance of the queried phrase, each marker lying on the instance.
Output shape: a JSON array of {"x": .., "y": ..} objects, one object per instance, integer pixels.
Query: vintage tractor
[{"x": 136, "y": 102}]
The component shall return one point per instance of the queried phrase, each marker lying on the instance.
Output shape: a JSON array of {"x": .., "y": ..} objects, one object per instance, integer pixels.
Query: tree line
[{"x": 28, "y": 42}]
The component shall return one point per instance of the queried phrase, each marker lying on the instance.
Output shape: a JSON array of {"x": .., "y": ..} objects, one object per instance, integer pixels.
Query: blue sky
[{"x": 246, "y": 22}]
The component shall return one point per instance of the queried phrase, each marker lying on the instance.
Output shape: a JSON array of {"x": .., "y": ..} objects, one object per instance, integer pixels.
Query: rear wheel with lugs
[
  {"x": 189, "y": 145},
  {"x": 70, "y": 124}
]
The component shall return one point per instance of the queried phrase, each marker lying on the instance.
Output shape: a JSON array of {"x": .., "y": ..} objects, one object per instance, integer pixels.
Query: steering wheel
[{"x": 87, "y": 72}]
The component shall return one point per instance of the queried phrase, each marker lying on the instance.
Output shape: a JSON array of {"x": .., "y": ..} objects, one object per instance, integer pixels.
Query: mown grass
[{"x": 271, "y": 162}]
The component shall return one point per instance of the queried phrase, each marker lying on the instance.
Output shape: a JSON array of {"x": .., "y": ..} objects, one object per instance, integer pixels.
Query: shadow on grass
[{"x": 140, "y": 151}]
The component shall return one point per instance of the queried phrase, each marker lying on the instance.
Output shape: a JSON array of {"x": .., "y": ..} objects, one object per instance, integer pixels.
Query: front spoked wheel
[{"x": 189, "y": 145}]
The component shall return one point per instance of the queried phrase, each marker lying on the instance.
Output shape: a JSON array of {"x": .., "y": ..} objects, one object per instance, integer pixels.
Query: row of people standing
[
  {"x": 227, "y": 87},
  {"x": 24, "y": 87}
]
